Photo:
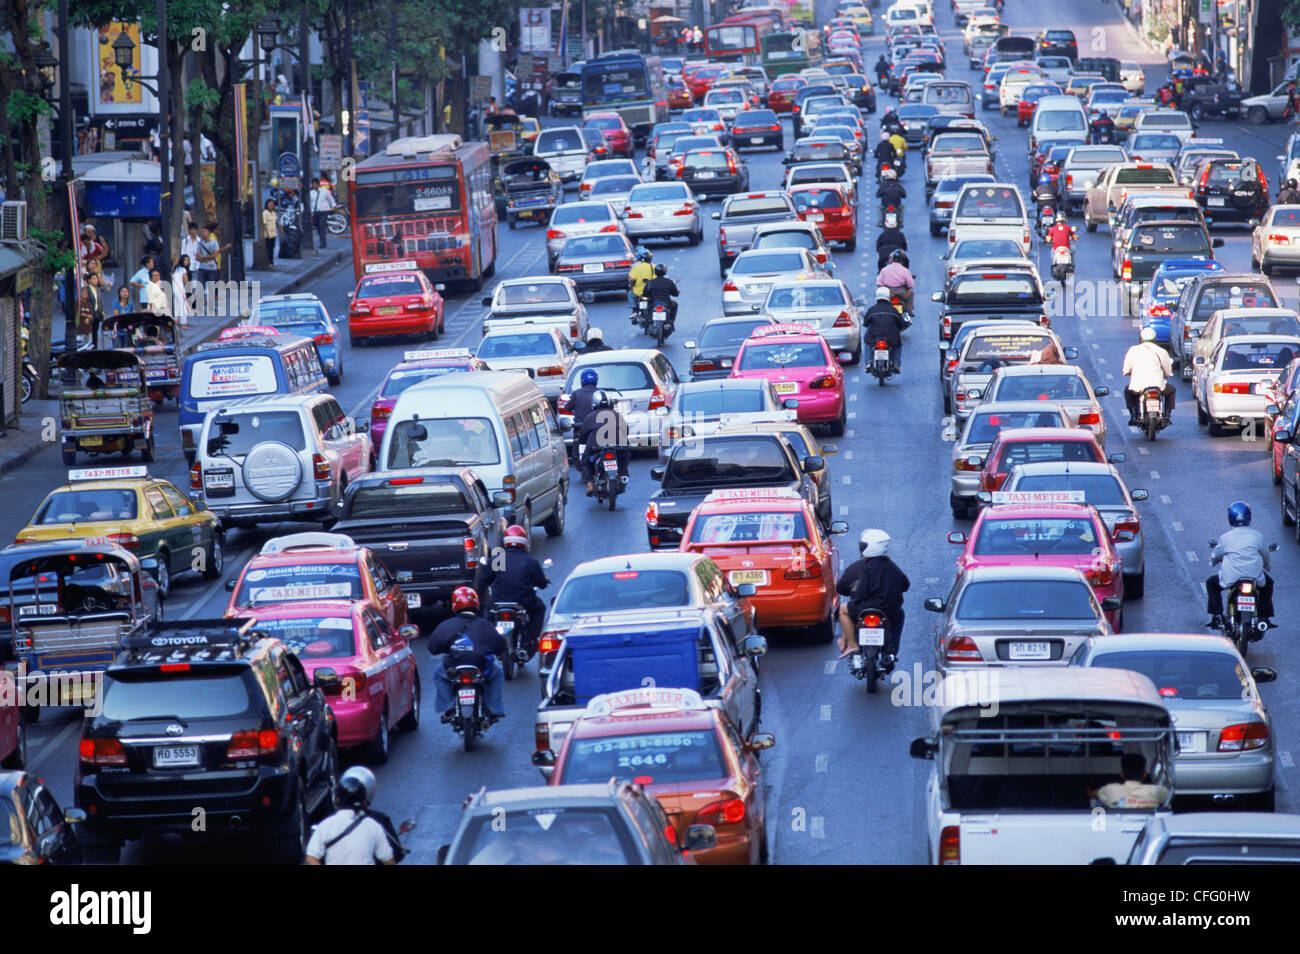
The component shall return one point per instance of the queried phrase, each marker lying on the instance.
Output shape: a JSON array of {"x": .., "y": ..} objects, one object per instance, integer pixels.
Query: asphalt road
[{"x": 842, "y": 788}]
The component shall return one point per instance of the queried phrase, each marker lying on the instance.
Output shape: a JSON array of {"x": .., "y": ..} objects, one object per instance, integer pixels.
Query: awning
[{"x": 13, "y": 259}]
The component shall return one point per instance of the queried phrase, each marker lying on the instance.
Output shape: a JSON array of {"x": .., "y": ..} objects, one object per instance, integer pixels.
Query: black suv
[
  {"x": 1058, "y": 43},
  {"x": 1231, "y": 190},
  {"x": 1107, "y": 66},
  {"x": 207, "y": 725}
]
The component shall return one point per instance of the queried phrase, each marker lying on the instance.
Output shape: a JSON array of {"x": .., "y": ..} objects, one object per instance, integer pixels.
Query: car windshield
[
  {"x": 1042, "y": 387},
  {"x": 313, "y": 637},
  {"x": 549, "y": 835},
  {"x": 990, "y": 202},
  {"x": 736, "y": 460},
  {"x": 728, "y": 334},
  {"x": 1258, "y": 356},
  {"x": 668, "y": 192},
  {"x": 1059, "y": 120},
  {"x": 1008, "y": 347},
  {"x": 576, "y": 214},
  {"x": 820, "y": 174},
  {"x": 976, "y": 288},
  {"x": 768, "y": 262},
  {"x": 382, "y": 286},
  {"x": 987, "y": 248},
  {"x": 1149, "y": 141},
  {"x": 1156, "y": 175},
  {"x": 660, "y": 758},
  {"x": 985, "y": 427},
  {"x": 298, "y": 582},
  {"x": 595, "y": 245},
  {"x": 532, "y": 345},
  {"x": 1100, "y": 490},
  {"x": 234, "y": 435},
  {"x": 622, "y": 590},
  {"x": 1190, "y": 239},
  {"x": 399, "y": 380},
  {"x": 560, "y": 140},
  {"x": 1026, "y": 600},
  {"x": 80, "y": 506},
  {"x": 1183, "y": 674},
  {"x": 799, "y": 297},
  {"x": 534, "y": 293},
  {"x": 782, "y": 354},
  {"x": 443, "y": 442},
  {"x": 408, "y": 499},
  {"x": 714, "y": 401},
  {"x": 749, "y": 527},
  {"x": 806, "y": 200},
  {"x": 192, "y": 695},
  {"x": 1234, "y": 295},
  {"x": 620, "y": 376}
]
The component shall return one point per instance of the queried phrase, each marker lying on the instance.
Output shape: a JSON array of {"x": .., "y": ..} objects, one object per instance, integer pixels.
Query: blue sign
[
  {"x": 288, "y": 165},
  {"x": 123, "y": 200}
]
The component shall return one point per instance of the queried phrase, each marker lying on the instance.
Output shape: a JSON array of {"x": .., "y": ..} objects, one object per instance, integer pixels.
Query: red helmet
[
  {"x": 516, "y": 536},
  {"x": 464, "y": 598}
]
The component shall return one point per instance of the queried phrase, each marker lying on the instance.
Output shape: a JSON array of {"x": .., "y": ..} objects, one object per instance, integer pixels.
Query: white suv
[{"x": 262, "y": 460}]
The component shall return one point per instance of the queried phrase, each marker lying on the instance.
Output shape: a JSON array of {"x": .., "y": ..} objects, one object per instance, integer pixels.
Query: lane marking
[
  {"x": 817, "y": 827},
  {"x": 830, "y": 666},
  {"x": 847, "y": 478},
  {"x": 822, "y": 763},
  {"x": 826, "y": 714},
  {"x": 1177, "y": 526},
  {"x": 1143, "y": 450},
  {"x": 1166, "y": 499},
  {"x": 1155, "y": 475},
  {"x": 1192, "y": 557},
  {"x": 53, "y": 744},
  {"x": 1286, "y": 759}
]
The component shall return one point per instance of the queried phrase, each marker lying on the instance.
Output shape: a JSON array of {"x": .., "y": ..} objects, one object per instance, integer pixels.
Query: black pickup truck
[
  {"x": 430, "y": 526},
  {"x": 700, "y": 465},
  {"x": 999, "y": 293}
]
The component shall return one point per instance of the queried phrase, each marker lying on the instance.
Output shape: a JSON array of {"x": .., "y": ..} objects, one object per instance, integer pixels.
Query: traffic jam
[{"x": 629, "y": 537}]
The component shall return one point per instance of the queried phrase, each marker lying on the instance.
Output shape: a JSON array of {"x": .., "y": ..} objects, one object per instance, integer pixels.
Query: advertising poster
[{"x": 115, "y": 88}]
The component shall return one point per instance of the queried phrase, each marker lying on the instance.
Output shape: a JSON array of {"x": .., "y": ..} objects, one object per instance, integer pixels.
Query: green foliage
[
  {"x": 24, "y": 108},
  {"x": 56, "y": 258},
  {"x": 1290, "y": 11}
]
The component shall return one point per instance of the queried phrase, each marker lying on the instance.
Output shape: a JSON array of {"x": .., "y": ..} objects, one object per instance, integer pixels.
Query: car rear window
[
  {"x": 80, "y": 506},
  {"x": 659, "y": 758},
  {"x": 1036, "y": 451},
  {"x": 193, "y": 696},
  {"x": 313, "y": 637},
  {"x": 1154, "y": 176},
  {"x": 668, "y": 192},
  {"x": 614, "y": 185},
  {"x": 975, "y": 288},
  {"x": 791, "y": 239},
  {"x": 756, "y": 117},
  {"x": 409, "y": 500},
  {"x": 990, "y": 202},
  {"x": 943, "y": 94},
  {"x": 782, "y": 354},
  {"x": 443, "y": 442},
  {"x": 384, "y": 285},
  {"x": 532, "y": 345},
  {"x": 1258, "y": 356},
  {"x": 1164, "y": 120},
  {"x": 705, "y": 160},
  {"x": 725, "y": 96},
  {"x": 1287, "y": 218},
  {"x": 399, "y": 380},
  {"x": 608, "y": 122},
  {"x": 1150, "y": 214},
  {"x": 1183, "y": 674},
  {"x": 742, "y": 208},
  {"x": 1235, "y": 295},
  {"x": 1036, "y": 537},
  {"x": 819, "y": 151},
  {"x": 814, "y": 199},
  {"x": 551, "y": 834},
  {"x": 1191, "y": 239},
  {"x": 1058, "y": 120},
  {"x": 739, "y": 460},
  {"x": 299, "y": 582},
  {"x": 540, "y": 293},
  {"x": 560, "y": 140},
  {"x": 986, "y": 427},
  {"x": 1100, "y": 490},
  {"x": 773, "y": 261},
  {"x": 986, "y": 248},
  {"x": 749, "y": 527},
  {"x": 578, "y": 215},
  {"x": 1007, "y": 347},
  {"x": 1042, "y": 387},
  {"x": 234, "y": 435},
  {"x": 619, "y": 376},
  {"x": 1153, "y": 141},
  {"x": 803, "y": 176},
  {"x": 595, "y": 245},
  {"x": 1026, "y": 600},
  {"x": 1263, "y": 325},
  {"x": 714, "y": 401},
  {"x": 952, "y": 142},
  {"x": 286, "y": 314},
  {"x": 806, "y": 296},
  {"x": 728, "y": 334},
  {"x": 622, "y": 590}
]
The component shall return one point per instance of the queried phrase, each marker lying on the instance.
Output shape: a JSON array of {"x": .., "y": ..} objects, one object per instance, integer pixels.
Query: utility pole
[
  {"x": 164, "y": 140},
  {"x": 71, "y": 304},
  {"x": 260, "y": 259},
  {"x": 349, "y": 136},
  {"x": 304, "y": 151},
  {"x": 392, "y": 41}
]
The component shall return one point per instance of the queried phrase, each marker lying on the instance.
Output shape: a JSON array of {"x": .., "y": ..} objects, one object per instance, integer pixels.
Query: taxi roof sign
[
  {"x": 247, "y": 331},
  {"x": 645, "y": 697},
  {"x": 108, "y": 473},
  {"x": 403, "y": 266},
  {"x": 745, "y": 418},
  {"x": 438, "y": 353},
  {"x": 1039, "y": 496},
  {"x": 319, "y": 538},
  {"x": 782, "y": 329}
]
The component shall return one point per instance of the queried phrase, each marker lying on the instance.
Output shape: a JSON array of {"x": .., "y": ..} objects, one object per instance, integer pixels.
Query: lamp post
[
  {"x": 46, "y": 61},
  {"x": 268, "y": 33}
]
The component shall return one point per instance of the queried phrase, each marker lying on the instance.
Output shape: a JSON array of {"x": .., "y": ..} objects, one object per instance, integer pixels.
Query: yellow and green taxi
[
  {"x": 148, "y": 516},
  {"x": 861, "y": 18},
  {"x": 532, "y": 126}
]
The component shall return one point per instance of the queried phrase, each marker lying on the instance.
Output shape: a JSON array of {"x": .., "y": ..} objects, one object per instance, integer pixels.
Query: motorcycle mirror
[
  {"x": 1263, "y": 674},
  {"x": 1214, "y": 543},
  {"x": 230, "y": 585},
  {"x": 548, "y": 563},
  {"x": 1070, "y": 353},
  {"x": 407, "y": 826},
  {"x": 1116, "y": 459},
  {"x": 937, "y": 296},
  {"x": 716, "y": 215},
  {"x": 1272, "y": 547},
  {"x": 1283, "y": 436}
]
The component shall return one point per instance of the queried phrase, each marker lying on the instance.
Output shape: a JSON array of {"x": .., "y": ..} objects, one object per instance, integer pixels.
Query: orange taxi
[
  {"x": 686, "y": 754},
  {"x": 770, "y": 537}
]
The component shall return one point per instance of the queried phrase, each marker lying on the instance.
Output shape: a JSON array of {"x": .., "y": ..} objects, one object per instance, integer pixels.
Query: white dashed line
[
  {"x": 847, "y": 479},
  {"x": 932, "y": 579},
  {"x": 848, "y": 455},
  {"x": 1143, "y": 450},
  {"x": 1101, "y": 360},
  {"x": 853, "y": 396},
  {"x": 822, "y": 763},
  {"x": 853, "y": 415},
  {"x": 1166, "y": 499},
  {"x": 1109, "y": 376},
  {"x": 817, "y": 826},
  {"x": 844, "y": 510},
  {"x": 849, "y": 432},
  {"x": 1177, "y": 526},
  {"x": 1192, "y": 557},
  {"x": 826, "y": 714},
  {"x": 830, "y": 666},
  {"x": 1155, "y": 475},
  {"x": 1088, "y": 331},
  {"x": 1285, "y": 757}
]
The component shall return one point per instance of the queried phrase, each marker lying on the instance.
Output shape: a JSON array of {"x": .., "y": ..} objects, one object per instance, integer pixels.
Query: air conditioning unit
[{"x": 13, "y": 222}]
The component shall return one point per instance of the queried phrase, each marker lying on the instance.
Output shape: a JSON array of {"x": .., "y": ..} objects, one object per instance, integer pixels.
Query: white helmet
[
  {"x": 594, "y": 334},
  {"x": 357, "y": 786},
  {"x": 883, "y": 293},
  {"x": 873, "y": 543},
  {"x": 888, "y": 173},
  {"x": 1147, "y": 334}
]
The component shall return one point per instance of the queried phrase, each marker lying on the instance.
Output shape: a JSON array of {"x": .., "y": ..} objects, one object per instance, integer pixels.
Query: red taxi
[
  {"x": 780, "y": 99},
  {"x": 679, "y": 94},
  {"x": 770, "y": 537},
  {"x": 702, "y": 80},
  {"x": 1033, "y": 445},
  {"x": 800, "y": 365},
  {"x": 415, "y": 367},
  {"x": 376, "y": 683},
  {"x": 689, "y": 756},
  {"x": 306, "y": 567},
  {"x": 617, "y": 134},
  {"x": 1046, "y": 528},
  {"x": 830, "y": 209},
  {"x": 395, "y": 298}
]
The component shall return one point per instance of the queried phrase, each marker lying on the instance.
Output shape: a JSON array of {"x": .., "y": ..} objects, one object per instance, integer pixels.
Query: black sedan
[
  {"x": 33, "y": 829},
  {"x": 596, "y": 262},
  {"x": 757, "y": 127},
  {"x": 716, "y": 171}
]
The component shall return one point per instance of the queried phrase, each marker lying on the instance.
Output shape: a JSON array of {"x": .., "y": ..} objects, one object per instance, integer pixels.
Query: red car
[
  {"x": 376, "y": 684},
  {"x": 679, "y": 94},
  {"x": 13, "y": 730},
  {"x": 415, "y": 366},
  {"x": 703, "y": 79},
  {"x": 781, "y": 97},
  {"x": 1029, "y": 101},
  {"x": 827, "y": 207},
  {"x": 1032, "y": 445},
  {"x": 1067, "y": 534},
  {"x": 1280, "y": 393},
  {"x": 395, "y": 298},
  {"x": 618, "y": 136}
]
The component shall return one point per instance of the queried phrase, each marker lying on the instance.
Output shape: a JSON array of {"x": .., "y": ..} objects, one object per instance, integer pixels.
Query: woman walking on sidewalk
[
  {"x": 269, "y": 231},
  {"x": 180, "y": 286}
]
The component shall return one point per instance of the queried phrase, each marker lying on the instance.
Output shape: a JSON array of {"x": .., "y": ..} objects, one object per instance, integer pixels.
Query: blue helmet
[
  {"x": 589, "y": 376},
  {"x": 1044, "y": 179},
  {"x": 1238, "y": 514}
]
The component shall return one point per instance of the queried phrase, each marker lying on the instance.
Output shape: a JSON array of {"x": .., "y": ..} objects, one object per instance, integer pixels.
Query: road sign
[
  {"x": 482, "y": 89},
  {"x": 331, "y": 151},
  {"x": 287, "y": 165}
]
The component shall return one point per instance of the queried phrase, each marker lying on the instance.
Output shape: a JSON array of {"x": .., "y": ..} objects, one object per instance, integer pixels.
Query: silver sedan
[
  {"x": 663, "y": 210},
  {"x": 975, "y": 439},
  {"x": 754, "y": 273},
  {"x": 828, "y": 306}
]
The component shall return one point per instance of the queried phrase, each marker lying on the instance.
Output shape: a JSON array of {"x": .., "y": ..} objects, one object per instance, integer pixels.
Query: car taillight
[
  {"x": 656, "y": 399},
  {"x": 549, "y": 372},
  {"x": 962, "y": 649},
  {"x": 471, "y": 554},
  {"x": 961, "y": 463},
  {"x": 822, "y": 383},
  {"x": 1131, "y": 523},
  {"x": 102, "y": 752},
  {"x": 552, "y": 234},
  {"x": 196, "y": 480},
  {"x": 567, "y": 268},
  {"x": 1101, "y": 576},
  {"x": 565, "y": 404},
  {"x": 950, "y": 845},
  {"x": 1279, "y": 240},
  {"x": 731, "y": 165},
  {"x": 1069, "y": 180},
  {"x": 1243, "y": 736},
  {"x": 612, "y": 227},
  {"x": 187, "y": 439},
  {"x": 952, "y": 365},
  {"x": 843, "y": 320},
  {"x": 722, "y": 236},
  {"x": 1126, "y": 270},
  {"x": 947, "y": 326},
  {"x": 730, "y": 811},
  {"x": 320, "y": 467},
  {"x": 508, "y": 486},
  {"x": 652, "y": 514},
  {"x": 323, "y": 339},
  {"x": 252, "y": 743},
  {"x": 1231, "y": 387},
  {"x": 687, "y": 209},
  {"x": 703, "y": 364},
  {"x": 380, "y": 412},
  {"x": 1089, "y": 417},
  {"x": 542, "y": 730},
  {"x": 128, "y": 541},
  {"x": 360, "y": 308},
  {"x": 1160, "y": 311},
  {"x": 549, "y": 641},
  {"x": 809, "y": 569},
  {"x": 1204, "y": 182},
  {"x": 776, "y": 128}
]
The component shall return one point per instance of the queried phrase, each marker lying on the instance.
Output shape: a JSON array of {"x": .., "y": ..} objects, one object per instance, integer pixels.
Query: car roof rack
[
  {"x": 204, "y": 640},
  {"x": 307, "y": 540}
]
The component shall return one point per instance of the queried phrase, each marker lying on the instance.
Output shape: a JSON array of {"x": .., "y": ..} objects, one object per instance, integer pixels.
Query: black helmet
[
  {"x": 602, "y": 399},
  {"x": 899, "y": 256},
  {"x": 661, "y": 270},
  {"x": 1238, "y": 514},
  {"x": 1290, "y": 183}
]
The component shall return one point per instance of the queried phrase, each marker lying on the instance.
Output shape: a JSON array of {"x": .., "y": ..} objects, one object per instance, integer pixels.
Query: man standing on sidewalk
[{"x": 322, "y": 204}]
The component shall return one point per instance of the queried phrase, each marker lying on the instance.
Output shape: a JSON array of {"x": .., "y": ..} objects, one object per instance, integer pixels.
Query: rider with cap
[
  {"x": 891, "y": 237},
  {"x": 595, "y": 342},
  {"x": 1103, "y": 128},
  {"x": 1147, "y": 365},
  {"x": 1290, "y": 194}
]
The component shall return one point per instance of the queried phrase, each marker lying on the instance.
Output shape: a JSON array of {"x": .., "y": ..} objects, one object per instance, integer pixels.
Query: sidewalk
[{"x": 32, "y": 434}]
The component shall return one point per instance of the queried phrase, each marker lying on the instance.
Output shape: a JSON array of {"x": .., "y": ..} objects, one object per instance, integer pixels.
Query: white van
[
  {"x": 497, "y": 422},
  {"x": 1058, "y": 117},
  {"x": 565, "y": 149}
]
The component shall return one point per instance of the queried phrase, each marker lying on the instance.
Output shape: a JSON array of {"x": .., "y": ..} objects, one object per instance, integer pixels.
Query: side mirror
[
  {"x": 935, "y": 605},
  {"x": 956, "y": 536},
  {"x": 657, "y": 472},
  {"x": 974, "y": 393},
  {"x": 765, "y": 740},
  {"x": 1217, "y": 243},
  {"x": 1199, "y": 360},
  {"x": 1139, "y": 494},
  {"x": 588, "y": 297},
  {"x": 813, "y": 465},
  {"x": 544, "y": 759},
  {"x": 839, "y": 526},
  {"x": 690, "y": 343},
  {"x": 745, "y": 590},
  {"x": 443, "y": 852},
  {"x": 661, "y": 411},
  {"x": 790, "y": 404},
  {"x": 1111, "y": 603},
  {"x": 1263, "y": 674},
  {"x": 1272, "y": 409},
  {"x": 547, "y": 563},
  {"x": 937, "y": 296},
  {"x": 325, "y": 679},
  {"x": 1272, "y": 548},
  {"x": 361, "y": 425},
  {"x": 756, "y": 307},
  {"x": 487, "y": 300},
  {"x": 230, "y": 585},
  {"x": 921, "y": 749},
  {"x": 408, "y": 632},
  {"x": 564, "y": 425},
  {"x": 199, "y": 505},
  {"x": 1070, "y": 353},
  {"x": 1125, "y": 536},
  {"x": 1101, "y": 391},
  {"x": 975, "y": 460},
  {"x": 830, "y": 450},
  {"x": 716, "y": 215},
  {"x": 984, "y": 497},
  {"x": 1116, "y": 458},
  {"x": 753, "y": 645},
  {"x": 1283, "y": 436},
  {"x": 440, "y": 287},
  {"x": 501, "y": 498},
  {"x": 352, "y": 293},
  {"x": 700, "y": 838},
  {"x": 75, "y": 816}
]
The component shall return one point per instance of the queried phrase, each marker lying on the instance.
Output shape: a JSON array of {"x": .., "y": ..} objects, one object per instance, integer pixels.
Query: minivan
[
  {"x": 497, "y": 422},
  {"x": 254, "y": 366},
  {"x": 1057, "y": 117},
  {"x": 565, "y": 149},
  {"x": 951, "y": 98}
]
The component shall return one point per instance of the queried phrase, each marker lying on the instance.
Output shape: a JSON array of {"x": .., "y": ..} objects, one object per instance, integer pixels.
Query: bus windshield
[
  {"x": 614, "y": 83},
  {"x": 379, "y": 194}
]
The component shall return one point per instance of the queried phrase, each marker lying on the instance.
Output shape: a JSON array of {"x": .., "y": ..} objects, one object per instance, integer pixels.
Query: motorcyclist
[
  {"x": 356, "y": 834},
  {"x": 466, "y": 639},
  {"x": 897, "y": 277},
  {"x": 900, "y": 147},
  {"x": 873, "y": 582},
  {"x": 890, "y": 193},
  {"x": 514, "y": 577},
  {"x": 884, "y": 153},
  {"x": 580, "y": 403},
  {"x": 595, "y": 342},
  {"x": 1290, "y": 194},
  {"x": 890, "y": 123},
  {"x": 640, "y": 273},
  {"x": 1103, "y": 128},
  {"x": 890, "y": 239},
  {"x": 1045, "y": 192},
  {"x": 1147, "y": 365},
  {"x": 1240, "y": 554},
  {"x": 661, "y": 288},
  {"x": 882, "y": 70},
  {"x": 1060, "y": 235},
  {"x": 882, "y": 322},
  {"x": 604, "y": 429}
]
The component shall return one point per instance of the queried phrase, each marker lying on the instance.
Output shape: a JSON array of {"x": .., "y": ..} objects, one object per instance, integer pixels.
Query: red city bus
[
  {"x": 427, "y": 199},
  {"x": 738, "y": 38}
]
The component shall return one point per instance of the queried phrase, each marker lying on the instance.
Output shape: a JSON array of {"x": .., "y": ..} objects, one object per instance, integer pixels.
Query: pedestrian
[
  {"x": 322, "y": 204},
  {"x": 96, "y": 267},
  {"x": 180, "y": 282},
  {"x": 190, "y": 243},
  {"x": 155, "y": 295},
  {"x": 92, "y": 246},
  {"x": 85, "y": 312},
  {"x": 97, "y": 304},
  {"x": 269, "y": 231},
  {"x": 141, "y": 279},
  {"x": 124, "y": 305}
]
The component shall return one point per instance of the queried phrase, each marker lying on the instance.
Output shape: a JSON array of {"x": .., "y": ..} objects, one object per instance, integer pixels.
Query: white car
[
  {"x": 1056, "y": 68},
  {"x": 1173, "y": 121},
  {"x": 544, "y": 354},
  {"x": 827, "y": 305},
  {"x": 1232, "y": 385},
  {"x": 1260, "y": 109},
  {"x": 753, "y": 274},
  {"x": 574, "y": 219},
  {"x": 728, "y": 101},
  {"x": 822, "y": 173},
  {"x": 564, "y": 148},
  {"x": 1013, "y": 86},
  {"x": 1132, "y": 78}
]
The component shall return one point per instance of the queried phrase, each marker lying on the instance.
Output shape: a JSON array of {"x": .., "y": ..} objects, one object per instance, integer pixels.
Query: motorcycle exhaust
[{"x": 1223, "y": 799}]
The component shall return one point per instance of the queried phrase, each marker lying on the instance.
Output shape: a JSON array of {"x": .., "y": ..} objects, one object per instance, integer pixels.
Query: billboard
[
  {"x": 114, "y": 88},
  {"x": 535, "y": 29}
]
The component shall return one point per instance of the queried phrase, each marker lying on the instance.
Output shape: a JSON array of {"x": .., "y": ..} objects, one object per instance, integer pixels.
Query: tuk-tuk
[
  {"x": 1186, "y": 64},
  {"x": 566, "y": 93},
  {"x": 505, "y": 133},
  {"x": 104, "y": 407},
  {"x": 71, "y": 603},
  {"x": 155, "y": 339},
  {"x": 532, "y": 189}
]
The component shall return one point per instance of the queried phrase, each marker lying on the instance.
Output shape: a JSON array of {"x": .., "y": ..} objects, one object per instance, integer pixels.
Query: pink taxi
[
  {"x": 1046, "y": 528},
  {"x": 800, "y": 365},
  {"x": 414, "y": 368},
  {"x": 375, "y": 684}
]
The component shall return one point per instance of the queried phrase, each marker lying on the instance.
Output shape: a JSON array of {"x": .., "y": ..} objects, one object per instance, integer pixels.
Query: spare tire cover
[
  {"x": 272, "y": 471},
  {"x": 1245, "y": 193}
]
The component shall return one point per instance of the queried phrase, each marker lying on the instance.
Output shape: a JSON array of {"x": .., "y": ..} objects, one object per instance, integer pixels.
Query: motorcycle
[
  {"x": 469, "y": 718},
  {"x": 511, "y": 621},
  {"x": 868, "y": 662},
  {"x": 654, "y": 320},
  {"x": 1151, "y": 412},
  {"x": 607, "y": 483},
  {"x": 1241, "y": 623},
  {"x": 895, "y": 210},
  {"x": 30, "y": 376},
  {"x": 1063, "y": 260},
  {"x": 1103, "y": 136},
  {"x": 337, "y": 221},
  {"x": 1046, "y": 219},
  {"x": 881, "y": 361}
]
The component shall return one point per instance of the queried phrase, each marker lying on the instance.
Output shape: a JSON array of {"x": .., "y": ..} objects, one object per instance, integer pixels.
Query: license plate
[
  {"x": 756, "y": 140},
  {"x": 871, "y": 637},
  {"x": 155, "y": 374},
  {"x": 524, "y": 215},
  {"x": 412, "y": 600},
  {"x": 882, "y": 354},
  {"x": 1191, "y": 742},
  {"x": 817, "y": 218},
  {"x": 1153, "y": 405},
  {"x": 175, "y": 756},
  {"x": 725, "y": 362},
  {"x": 466, "y": 695},
  {"x": 593, "y": 268},
  {"x": 659, "y": 315},
  {"x": 219, "y": 481},
  {"x": 93, "y": 440},
  {"x": 704, "y": 175},
  {"x": 1215, "y": 200},
  {"x": 761, "y": 289},
  {"x": 388, "y": 310},
  {"x": 611, "y": 467},
  {"x": 786, "y": 387},
  {"x": 1246, "y": 603},
  {"x": 757, "y": 577},
  {"x": 1029, "y": 651}
]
